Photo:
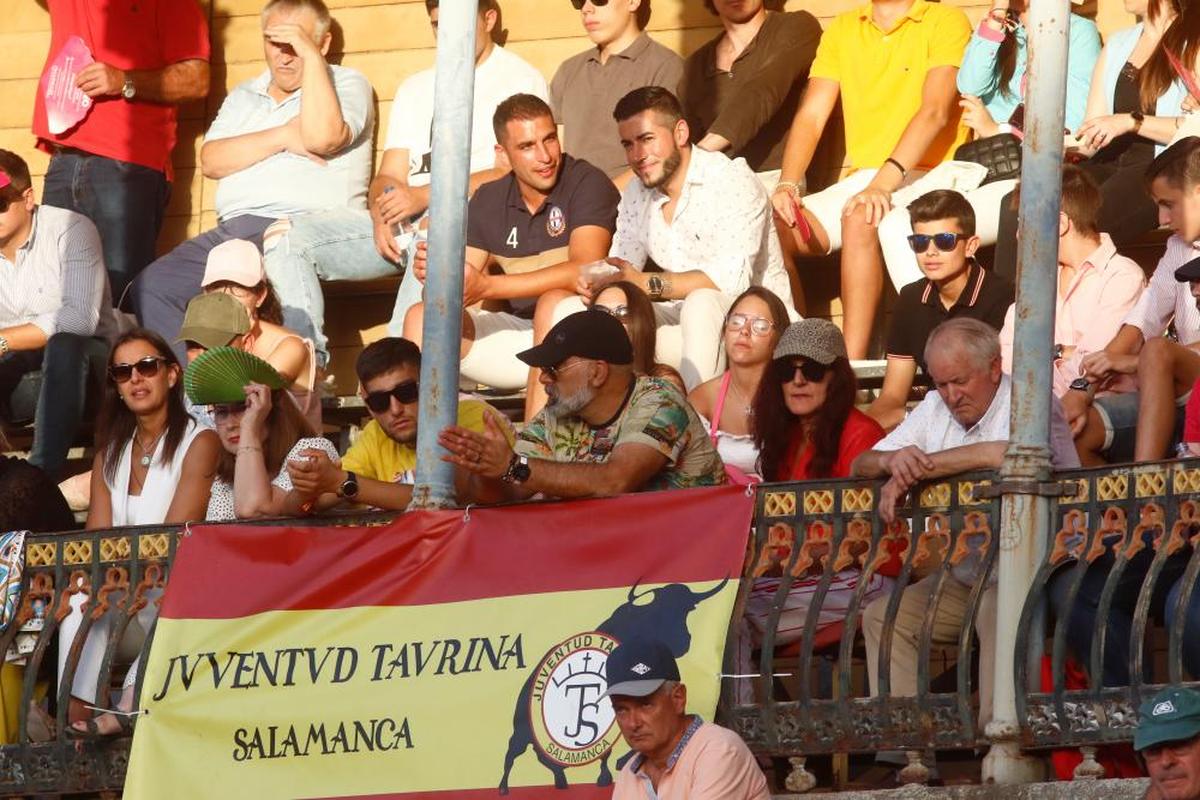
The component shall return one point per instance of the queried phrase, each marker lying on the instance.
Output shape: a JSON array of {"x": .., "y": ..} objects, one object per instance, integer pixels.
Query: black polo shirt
[
  {"x": 919, "y": 310},
  {"x": 499, "y": 222}
]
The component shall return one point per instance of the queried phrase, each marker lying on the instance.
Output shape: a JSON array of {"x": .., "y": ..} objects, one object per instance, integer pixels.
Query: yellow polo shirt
[
  {"x": 376, "y": 455},
  {"x": 881, "y": 74}
]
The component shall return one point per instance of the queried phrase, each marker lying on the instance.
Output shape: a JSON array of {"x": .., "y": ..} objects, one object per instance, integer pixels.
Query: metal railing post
[
  {"x": 453, "y": 93},
  {"x": 1025, "y": 514}
]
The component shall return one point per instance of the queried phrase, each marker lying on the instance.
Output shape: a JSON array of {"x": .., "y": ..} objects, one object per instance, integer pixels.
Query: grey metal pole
[
  {"x": 1025, "y": 515},
  {"x": 453, "y": 98}
]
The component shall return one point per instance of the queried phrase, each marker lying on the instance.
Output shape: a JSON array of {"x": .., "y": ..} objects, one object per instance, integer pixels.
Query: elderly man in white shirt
[
  {"x": 704, "y": 219},
  {"x": 55, "y": 309},
  {"x": 295, "y": 140},
  {"x": 962, "y": 426}
]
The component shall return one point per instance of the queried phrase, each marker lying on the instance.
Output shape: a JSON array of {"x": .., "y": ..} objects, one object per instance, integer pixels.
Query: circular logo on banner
[
  {"x": 556, "y": 223},
  {"x": 571, "y": 724}
]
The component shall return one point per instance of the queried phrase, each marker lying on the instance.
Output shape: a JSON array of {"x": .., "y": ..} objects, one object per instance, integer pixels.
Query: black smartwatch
[
  {"x": 349, "y": 487},
  {"x": 518, "y": 470},
  {"x": 1081, "y": 385}
]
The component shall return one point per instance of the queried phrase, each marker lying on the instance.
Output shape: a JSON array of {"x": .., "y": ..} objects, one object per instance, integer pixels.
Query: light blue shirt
[
  {"x": 980, "y": 71},
  {"x": 1116, "y": 54},
  {"x": 286, "y": 184}
]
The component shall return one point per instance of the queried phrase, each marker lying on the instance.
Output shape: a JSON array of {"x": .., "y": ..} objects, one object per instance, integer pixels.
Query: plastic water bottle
[{"x": 402, "y": 231}]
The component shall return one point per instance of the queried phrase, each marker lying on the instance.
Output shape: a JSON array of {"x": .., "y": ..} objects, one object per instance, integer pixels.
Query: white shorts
[{"x": 492, "y": 360}]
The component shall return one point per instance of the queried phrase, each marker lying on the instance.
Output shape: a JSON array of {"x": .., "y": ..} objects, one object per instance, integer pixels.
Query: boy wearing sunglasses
[
  {"x": 55, "y": 308},
  {"x": 955, "y": 285},
  {"x": 379, "y": 468}
]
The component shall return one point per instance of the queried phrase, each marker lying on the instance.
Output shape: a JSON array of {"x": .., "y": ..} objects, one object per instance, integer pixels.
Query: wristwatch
[
  {"x": 654, "y": 287},
  {"x": 128, "y": 90},
  {"x": 349, "y": 487},
  {"x": 4, "y": 348},
  {"x": 1081, "y": 385},
  {"x": 1138, "y": 118},
  {"x": 518, "y": 470}
]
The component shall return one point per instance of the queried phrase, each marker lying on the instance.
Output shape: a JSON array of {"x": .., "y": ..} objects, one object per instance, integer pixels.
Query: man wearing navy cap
[
  {"x": 1168, "y": 737},
  {"x": 604, "y": 431},
  {"x": 678, "y": 755}
]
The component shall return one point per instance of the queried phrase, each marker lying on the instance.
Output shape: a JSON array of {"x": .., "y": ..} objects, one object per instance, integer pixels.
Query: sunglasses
[
  {"x": 919, "y": 242},
  {"x": 146, "y": 367},
  {"x": 223, "y": 411},
  {"x": 553, "y": 372},
  {"x": 812, "y": 371},
  {"x": 758, "y": 325},
  {"x": 620, "y": 312},
  {"x": 578, "y": 4},
  {"x": 406, "y": 392}
]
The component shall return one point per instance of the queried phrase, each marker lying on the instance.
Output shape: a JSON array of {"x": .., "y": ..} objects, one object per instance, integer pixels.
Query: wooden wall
[{"x": 385, "y": 39}]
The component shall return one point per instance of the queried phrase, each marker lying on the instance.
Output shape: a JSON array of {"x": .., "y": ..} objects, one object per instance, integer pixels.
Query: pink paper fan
[{"x": 66, "y": 105}]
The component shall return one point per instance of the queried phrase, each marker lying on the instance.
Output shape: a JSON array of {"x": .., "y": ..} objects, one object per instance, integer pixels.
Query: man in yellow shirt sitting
[{"x": 379, "y": 468}]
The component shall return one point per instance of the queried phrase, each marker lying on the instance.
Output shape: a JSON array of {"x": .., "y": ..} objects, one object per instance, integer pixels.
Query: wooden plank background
[{"x": 386, "y": 39}]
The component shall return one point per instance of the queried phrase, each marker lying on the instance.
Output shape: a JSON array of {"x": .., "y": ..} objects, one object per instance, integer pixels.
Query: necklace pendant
[{"x": 145, "y": 460}]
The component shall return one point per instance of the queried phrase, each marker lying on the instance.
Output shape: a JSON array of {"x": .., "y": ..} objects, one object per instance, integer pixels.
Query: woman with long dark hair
[
  {"x": 260, "y": 428},
  {"x": 153, "y": 465},
  {"x": 629, "y": 304},
  {"x": 725, "y": 404},
  {"x": 806, "y": 427}
]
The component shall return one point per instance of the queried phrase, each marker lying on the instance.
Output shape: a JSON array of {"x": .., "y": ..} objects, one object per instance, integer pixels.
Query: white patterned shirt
[
  {"x": 220, "y": 499},
  {"x": 1166, "y": 298},
  {"x": 722, "y": 226}
]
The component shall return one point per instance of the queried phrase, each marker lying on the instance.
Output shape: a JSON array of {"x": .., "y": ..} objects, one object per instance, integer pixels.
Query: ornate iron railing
[{"x": 807, "y": 693}]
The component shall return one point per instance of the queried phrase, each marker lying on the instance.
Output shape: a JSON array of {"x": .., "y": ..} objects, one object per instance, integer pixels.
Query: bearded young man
[
  {"x": 603, "y": 431},
  {"x": 703, "y": 218}
]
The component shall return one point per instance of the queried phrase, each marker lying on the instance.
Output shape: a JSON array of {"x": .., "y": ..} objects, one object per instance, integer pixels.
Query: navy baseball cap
[
  {"x": 1172, "y": 715},
  {"x": 1189, "y": 272},
  {"x": 586, "y": 334},
  {"x": 638, "y": 667}
]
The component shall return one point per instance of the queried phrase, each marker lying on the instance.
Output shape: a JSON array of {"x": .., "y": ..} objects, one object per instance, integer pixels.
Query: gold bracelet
[
  {"x": 248, "y": 448},
  {"x": 789, "y": 186}
]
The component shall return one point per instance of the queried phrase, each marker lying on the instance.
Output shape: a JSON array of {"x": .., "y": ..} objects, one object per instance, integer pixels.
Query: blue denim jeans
[
  {"x": 70, "y": 365},
  {"x": 125, "y": 201},
  {"x": 1081, "y": 620},
  {"x": 335, "y": 245}
]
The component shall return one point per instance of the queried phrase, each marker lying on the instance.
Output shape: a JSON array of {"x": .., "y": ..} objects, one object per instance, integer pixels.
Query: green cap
[
  {"x": 1172, "y": 715},
  {"x": 222, "y": 374},
  {"x": 214, "y": 320}
]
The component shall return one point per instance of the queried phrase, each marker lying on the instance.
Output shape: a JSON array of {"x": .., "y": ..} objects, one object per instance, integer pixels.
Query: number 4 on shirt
[{"x": 511, "y": 241}]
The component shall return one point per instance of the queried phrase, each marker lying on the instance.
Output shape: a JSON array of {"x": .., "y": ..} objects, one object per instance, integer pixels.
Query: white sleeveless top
[{"x": 150, "y": 507}]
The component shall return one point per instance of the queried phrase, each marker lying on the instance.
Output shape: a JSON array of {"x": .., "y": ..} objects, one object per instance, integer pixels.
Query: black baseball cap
[
  {"x": 585, "y": 334},
  {"x": 638, "y": 667},
  {"x": 1189, "y": 272}
]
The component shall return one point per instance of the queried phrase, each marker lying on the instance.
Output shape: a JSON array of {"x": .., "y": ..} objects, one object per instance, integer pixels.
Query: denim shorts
[{"x": 1119, "y": 413}]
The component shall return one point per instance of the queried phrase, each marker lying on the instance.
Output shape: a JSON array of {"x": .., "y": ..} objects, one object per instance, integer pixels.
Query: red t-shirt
[
  {"x": 859, "y": 434},
  {"x": 128, "y": 35},
  {"x": 1191, "y": 419}
]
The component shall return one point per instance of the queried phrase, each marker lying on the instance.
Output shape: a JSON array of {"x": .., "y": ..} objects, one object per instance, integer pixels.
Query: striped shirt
[
  {"x": 1166, "y": 298},
  {"x": 58, "y": 281}
]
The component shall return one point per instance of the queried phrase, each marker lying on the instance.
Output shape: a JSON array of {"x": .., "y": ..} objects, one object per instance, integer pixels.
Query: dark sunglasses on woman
[
  {"x": 406, "y": 392},
  {"x": 597, "y": 3},
  {"x": 813, "y": 372},
  {"x": 146, "y": 367},
  {"x": 946, "y": 241}
]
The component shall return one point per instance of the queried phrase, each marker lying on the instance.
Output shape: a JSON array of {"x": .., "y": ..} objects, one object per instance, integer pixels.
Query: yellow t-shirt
[
  {"x": 881, "y": 75},
  {"x": 376, "y": 455}
]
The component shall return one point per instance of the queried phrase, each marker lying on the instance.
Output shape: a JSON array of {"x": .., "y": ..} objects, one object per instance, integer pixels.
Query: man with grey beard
[{"x": 604, "y": 431}]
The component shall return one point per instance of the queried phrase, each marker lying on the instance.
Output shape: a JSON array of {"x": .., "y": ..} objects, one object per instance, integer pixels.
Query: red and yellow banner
[{"x": 442, "y": 656}]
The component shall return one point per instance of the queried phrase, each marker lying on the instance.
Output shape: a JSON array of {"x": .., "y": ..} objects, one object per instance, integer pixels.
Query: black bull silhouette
[{"x": 663, "y": 617}]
